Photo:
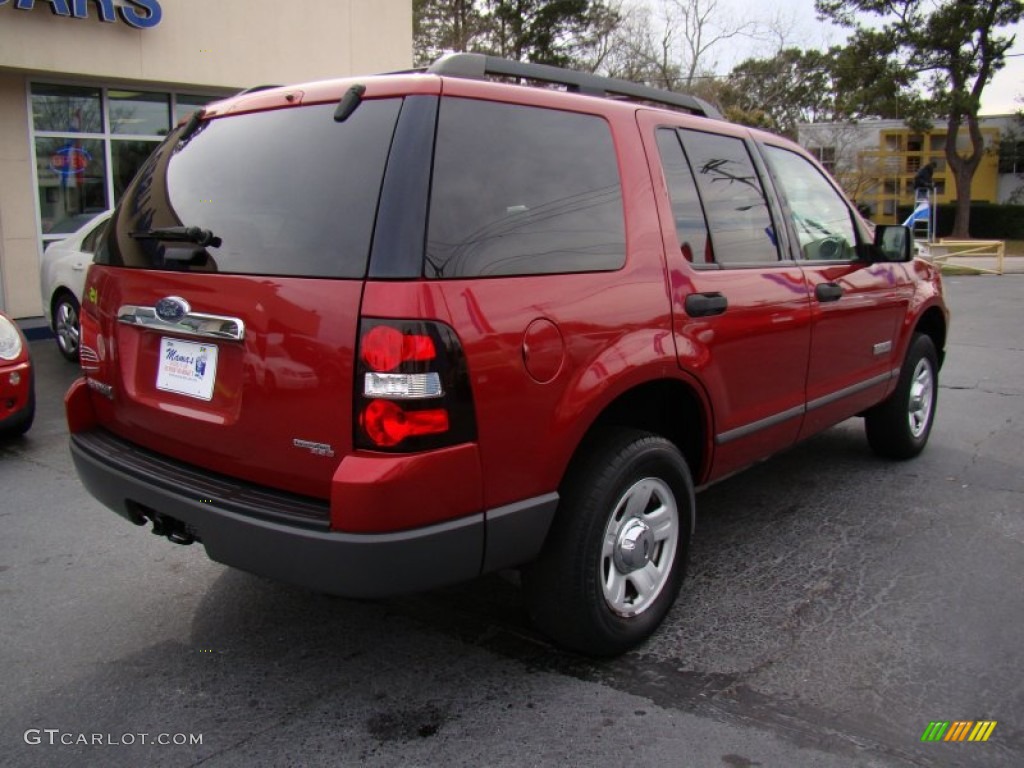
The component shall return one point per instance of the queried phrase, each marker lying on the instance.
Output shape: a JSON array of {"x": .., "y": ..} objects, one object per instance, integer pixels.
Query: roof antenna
[{"x": 353, "y": 98}]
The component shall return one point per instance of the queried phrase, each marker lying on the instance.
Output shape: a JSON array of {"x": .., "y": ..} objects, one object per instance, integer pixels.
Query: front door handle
[
  {"x": 828, "y": 292},
  {"x": 705, "y": 304}
]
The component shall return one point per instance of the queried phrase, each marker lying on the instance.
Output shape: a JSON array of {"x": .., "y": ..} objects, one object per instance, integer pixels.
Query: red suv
[{"x": 379, "y": 335}]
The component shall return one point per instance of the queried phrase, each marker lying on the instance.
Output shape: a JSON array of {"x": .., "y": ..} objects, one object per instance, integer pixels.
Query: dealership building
[{"x": 89, "y": 87}]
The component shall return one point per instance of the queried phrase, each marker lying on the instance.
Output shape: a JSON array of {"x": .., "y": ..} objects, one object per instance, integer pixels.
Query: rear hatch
[{"x": 220, "y": 322}]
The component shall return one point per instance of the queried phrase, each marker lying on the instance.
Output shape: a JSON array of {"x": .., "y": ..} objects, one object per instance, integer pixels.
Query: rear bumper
[{"x": 240, "y": 530}]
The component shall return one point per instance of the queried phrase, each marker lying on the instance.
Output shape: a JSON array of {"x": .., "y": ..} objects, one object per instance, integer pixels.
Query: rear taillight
[{"x": 412, "y": 387}]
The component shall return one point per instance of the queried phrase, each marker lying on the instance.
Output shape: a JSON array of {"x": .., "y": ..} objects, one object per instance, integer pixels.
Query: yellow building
[
  {"x": 876, "y": 160},
  {"x": 902, "y": 153}
]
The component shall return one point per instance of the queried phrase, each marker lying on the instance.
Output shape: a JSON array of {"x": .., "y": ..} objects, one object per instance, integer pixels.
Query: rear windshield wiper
[{"x": 203, "y": 237}]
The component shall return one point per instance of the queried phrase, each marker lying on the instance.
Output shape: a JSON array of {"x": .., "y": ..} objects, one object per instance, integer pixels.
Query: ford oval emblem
[{"x": 172, "y": 309}]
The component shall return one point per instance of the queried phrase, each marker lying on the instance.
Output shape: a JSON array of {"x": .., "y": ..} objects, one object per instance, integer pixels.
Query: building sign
[
  {"x": 69, "y": 161},
  {"x": 141, "y": 14}
]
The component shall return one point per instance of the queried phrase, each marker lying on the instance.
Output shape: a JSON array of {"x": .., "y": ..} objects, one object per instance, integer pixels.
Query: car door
[
  {"x": 856, "y": 303},
  {"x": 741, "y": 314}
]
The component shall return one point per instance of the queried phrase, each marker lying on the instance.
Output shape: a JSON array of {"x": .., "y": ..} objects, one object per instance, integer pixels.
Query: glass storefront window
[
  {"x": 139, "y": 113},
  {"x": 66, "y": 108},
  {"x": 79, "y": 177},
  {"x": 72, "y": 179},
  {"x": 187, "y": 103},
  {"x": 126, "y": 157}
]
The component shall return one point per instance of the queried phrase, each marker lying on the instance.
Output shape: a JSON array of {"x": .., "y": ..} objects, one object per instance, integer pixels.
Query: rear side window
[
  {"x": 288, "y": 192},
  {"x": 734, "y": 201},
  {"x": 521, "y": 191}
]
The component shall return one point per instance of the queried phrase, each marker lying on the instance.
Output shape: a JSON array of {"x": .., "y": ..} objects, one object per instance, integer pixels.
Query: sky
[{"x": 1003, "y": 95}]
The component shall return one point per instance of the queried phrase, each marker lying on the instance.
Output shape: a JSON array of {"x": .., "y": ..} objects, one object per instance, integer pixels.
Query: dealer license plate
[{"x": 187, "y": 368}]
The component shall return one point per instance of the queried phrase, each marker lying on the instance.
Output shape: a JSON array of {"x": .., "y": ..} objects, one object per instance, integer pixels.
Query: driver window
[{"x": 821, "y": 216}]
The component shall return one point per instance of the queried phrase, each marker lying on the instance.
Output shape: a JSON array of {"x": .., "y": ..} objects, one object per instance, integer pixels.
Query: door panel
[
  {"x": 856, "y": 305},
  {"x": 752, "y": 353}
]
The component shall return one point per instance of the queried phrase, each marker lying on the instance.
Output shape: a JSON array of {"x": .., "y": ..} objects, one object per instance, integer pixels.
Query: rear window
[
  {"x": 522, "y": 190},
  {"x": 288, "y": 192}
]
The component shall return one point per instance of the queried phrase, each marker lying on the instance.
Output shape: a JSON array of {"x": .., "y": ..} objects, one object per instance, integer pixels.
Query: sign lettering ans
[{"x": 140, "y": 14}]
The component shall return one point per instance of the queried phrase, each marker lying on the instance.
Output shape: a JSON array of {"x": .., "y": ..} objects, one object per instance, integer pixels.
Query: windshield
[{"x": 287, "y": 192}]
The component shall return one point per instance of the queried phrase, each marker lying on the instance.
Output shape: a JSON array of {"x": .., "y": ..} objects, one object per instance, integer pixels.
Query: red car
[
  {"x": 17, "y": 387},
  {"x": 379, "y": 335}
]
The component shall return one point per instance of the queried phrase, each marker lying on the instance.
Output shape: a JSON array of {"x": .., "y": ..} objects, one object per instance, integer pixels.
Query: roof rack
[
  {"x": 257, "y": 88},
  {"x": 477, "y": 66}
]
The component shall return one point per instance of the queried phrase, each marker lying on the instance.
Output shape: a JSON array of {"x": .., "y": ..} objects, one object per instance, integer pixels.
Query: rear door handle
[
  {"x": 828, "y": 292},
  {"x": 705, "y": 304}
]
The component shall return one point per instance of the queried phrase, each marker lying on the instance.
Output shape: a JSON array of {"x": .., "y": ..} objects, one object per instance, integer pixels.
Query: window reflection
[
  {"x": 734, "y": 202},
  {"x": 139, "y": 112},
  {"x": 821, "y": 217},
  {"x": 72, "y": 182},
  {"x": 691, "y": 229},
  {"x": 521, "y": 190},
  {"x": 66, "y": 108}
]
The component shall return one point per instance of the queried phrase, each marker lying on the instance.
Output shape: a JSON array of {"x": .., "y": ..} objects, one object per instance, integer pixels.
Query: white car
[{"x": 62, "y": 278}]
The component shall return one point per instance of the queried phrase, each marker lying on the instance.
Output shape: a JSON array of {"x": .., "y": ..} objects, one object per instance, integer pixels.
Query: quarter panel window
[
  {"x": 737, "y": 212},
  {"x": 821, "y": 217},
  {"x": 522, "y": 190}
]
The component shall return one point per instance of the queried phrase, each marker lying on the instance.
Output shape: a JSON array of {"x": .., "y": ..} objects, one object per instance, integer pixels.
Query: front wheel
[
  {"x": 899, "y": 427},
  {"x": 66, "y": 326},
  {"x": 616, "y": 555}
]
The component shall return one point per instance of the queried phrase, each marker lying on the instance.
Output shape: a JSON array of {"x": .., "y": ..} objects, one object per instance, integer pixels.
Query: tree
[
  {"x": 954, "y": 46},
  {"x": 792, "y": 87},
  {"x": 440, "y": 26},
  {"x": 670, "y": 44},
  {"x": 568, "y": 33},
  {"x": 546, "y": 31}
]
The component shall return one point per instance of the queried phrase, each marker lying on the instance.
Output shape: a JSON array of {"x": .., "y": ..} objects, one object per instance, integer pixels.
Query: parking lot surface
[{"x": 836, "y": 604}]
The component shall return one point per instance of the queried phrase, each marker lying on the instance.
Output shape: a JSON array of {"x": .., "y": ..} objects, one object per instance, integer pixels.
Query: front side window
[
  {"x": 522, "y": 190},
  {"x": 822, "y": 219},
  {"x": 734, "y": 202}
]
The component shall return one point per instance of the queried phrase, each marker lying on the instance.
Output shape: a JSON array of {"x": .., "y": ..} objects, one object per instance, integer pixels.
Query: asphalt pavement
[{"x": 836, "y": 605}]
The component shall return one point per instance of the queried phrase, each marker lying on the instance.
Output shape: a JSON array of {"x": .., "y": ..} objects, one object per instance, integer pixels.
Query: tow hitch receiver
[{"x": 173, "y": 529}]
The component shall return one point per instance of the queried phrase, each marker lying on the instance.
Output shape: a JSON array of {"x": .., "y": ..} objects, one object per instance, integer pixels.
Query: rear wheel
[
  {"x": 899, "y": 427},
  {"x": 66, "y": 326},
  {"x": 616, "y": 555}
]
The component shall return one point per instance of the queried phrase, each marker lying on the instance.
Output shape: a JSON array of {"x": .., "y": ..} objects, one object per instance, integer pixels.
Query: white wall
[{"x": 214, "y": 42}]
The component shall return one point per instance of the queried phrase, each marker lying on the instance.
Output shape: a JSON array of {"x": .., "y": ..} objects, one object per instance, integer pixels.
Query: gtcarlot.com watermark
[{"x": 55, "y": 736}]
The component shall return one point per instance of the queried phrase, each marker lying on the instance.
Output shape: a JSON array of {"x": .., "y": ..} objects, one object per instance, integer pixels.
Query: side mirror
[{"x": 894, "y": 243}]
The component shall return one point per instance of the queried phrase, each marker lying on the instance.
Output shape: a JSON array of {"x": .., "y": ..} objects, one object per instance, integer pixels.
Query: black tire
[
  {"x": 899, "y": 427},
  {"x": 66, "y": 326},
  {"x": 566, "y": 587}
]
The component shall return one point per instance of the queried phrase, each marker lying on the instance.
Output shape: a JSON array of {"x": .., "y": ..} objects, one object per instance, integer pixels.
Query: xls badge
[{"x": 317, "y": 449}]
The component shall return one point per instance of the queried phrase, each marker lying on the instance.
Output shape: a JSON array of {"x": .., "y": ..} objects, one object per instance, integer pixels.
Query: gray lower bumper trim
[{"x": 347, "y": 564}]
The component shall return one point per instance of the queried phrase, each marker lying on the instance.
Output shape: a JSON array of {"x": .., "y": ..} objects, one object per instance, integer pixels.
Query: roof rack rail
[
  {"x": 477, "y": 66},
  {"x": 257, "y": 88}
]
